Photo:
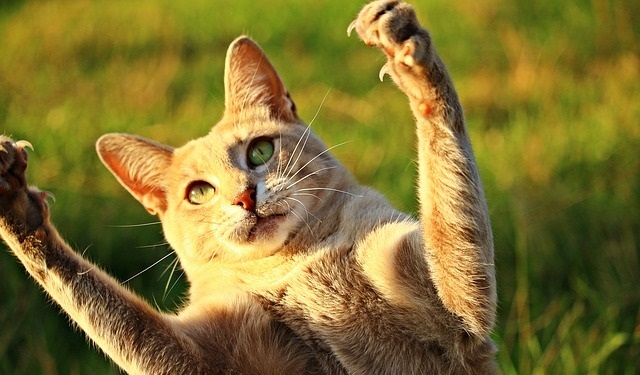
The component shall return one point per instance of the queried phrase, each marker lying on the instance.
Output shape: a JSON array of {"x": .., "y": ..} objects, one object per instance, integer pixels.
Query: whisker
[
  {"x": 278, "y": 170},
  {"x": 332, "y": 189},
  {"x": 148, "y": 268},
  {"x": 85, "y": 250},
  {"x": 309, "y": 175},
  {"x": 310, "y": 195},
  {"x": 305, "y": 208},
  {"x": 172, "y": 286},
  {"x": 166, "y": 286},
  {"x": 287, "y": 203},
  {"x": 135, "y": 225},
  {"x": 303, "y": 220},
  {"x": 298, "y": 216},
  {"x": 152, "y": 246},
  {"x": 170, "y": 265},
  {"x": 307, "y": 133},
  {"x": 317, "y": 156},
  {"x": 320, "y": 107},
  {"x": 87, "y": 271}
]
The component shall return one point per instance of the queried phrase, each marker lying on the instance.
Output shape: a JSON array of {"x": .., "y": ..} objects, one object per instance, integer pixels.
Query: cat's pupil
[
  {"x": 200, "y": 192},
  {"x": 260, "y": 151}
]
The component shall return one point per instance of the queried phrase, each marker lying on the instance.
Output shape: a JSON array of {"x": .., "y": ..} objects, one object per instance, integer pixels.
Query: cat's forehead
[
  {"x": 246, "y": 128},
  {"x": 209, "y": 147},
  {"x": 224, "y": 142}
]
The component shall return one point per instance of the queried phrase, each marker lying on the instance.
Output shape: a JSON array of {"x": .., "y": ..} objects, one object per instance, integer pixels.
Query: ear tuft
[
  {"x": 139, "y": 165},
  {"x": 251, "y": 80}
]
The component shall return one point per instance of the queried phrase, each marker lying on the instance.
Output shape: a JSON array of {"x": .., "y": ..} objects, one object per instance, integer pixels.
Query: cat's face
[
  {"x": 256, "y": 180},
  {"x": 245, "y": 188}
]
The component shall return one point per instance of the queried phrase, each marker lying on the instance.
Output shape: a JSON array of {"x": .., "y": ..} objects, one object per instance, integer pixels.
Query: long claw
[
  {"x": 48, "y": 195},
  {"x": 384, "y": 70},
  {"x": 23, "y": 144},
  {"x": 2, "y": 149},
  {"x": 351, "y": 27}
]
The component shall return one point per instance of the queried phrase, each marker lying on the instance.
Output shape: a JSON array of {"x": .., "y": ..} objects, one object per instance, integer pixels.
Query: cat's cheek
[{"x": 183, "y": 240}]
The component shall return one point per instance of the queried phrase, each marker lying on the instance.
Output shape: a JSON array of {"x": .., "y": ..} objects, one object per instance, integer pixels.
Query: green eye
[
  {"x": 200, "y": 192},
  {"x": 260, "y": 152}
]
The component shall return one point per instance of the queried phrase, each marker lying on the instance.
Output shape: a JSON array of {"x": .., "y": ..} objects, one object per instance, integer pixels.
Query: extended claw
[
  {"x": 2, "y": 149},
  {"x": 48, "y": 195},
  {"x": 384, "y": 70},
  {"x": 23, "y": 144},
  {"x": 351, "y": 27}
]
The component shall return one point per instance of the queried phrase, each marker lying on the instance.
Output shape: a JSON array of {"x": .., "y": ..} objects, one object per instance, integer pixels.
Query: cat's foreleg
[
  {"x": 134, "y": 335},
  {"x": 454, "y": 215}
]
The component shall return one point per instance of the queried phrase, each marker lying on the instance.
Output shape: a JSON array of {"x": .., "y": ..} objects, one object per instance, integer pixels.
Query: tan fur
[{"x": 293, "y": 267}]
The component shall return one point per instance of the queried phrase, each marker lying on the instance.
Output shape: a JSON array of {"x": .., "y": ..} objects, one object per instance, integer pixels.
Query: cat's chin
[
  {"x": 266, "y": 228},
  {"x": 264, "y": 236}
]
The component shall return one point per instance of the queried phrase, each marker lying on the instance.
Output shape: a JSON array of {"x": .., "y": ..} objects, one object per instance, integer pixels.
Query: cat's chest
[{"x": 339, "y": 314}]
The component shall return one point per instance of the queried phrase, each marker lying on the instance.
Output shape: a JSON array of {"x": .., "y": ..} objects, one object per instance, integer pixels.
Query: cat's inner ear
[
  {"x": 139, "y": 165},
  {"x": 251, "y": 80}
]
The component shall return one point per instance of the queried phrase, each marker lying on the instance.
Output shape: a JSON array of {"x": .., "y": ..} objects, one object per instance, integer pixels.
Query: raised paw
[
  {"x": 22, "y": 208},
  {"x": 13, "y": 163},
  {"x": 393, "y": 26}
]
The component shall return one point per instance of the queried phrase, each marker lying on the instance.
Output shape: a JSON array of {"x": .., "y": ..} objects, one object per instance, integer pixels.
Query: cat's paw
[
  {"x": 22, "y": 209},
  {"x": 392, "y": 26},
  {"x": 13, "y": 163}
]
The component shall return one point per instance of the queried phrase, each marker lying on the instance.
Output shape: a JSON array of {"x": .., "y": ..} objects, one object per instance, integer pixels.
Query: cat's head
[{"x": 259, "y": 178}]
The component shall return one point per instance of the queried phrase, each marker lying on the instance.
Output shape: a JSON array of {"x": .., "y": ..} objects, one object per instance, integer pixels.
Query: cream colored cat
[{"x": 293, "y": 267}]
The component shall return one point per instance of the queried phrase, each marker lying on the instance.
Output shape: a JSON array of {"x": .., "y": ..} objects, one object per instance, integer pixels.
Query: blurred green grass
[{"x": 551, "y": 92}]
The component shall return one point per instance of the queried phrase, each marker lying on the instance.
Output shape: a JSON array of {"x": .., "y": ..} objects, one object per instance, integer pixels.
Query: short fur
[{"x": 293, "y": 267}]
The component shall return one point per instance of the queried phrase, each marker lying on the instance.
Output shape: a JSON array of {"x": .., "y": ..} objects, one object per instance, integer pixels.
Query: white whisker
[
  {"x": 307, "y": 133},
  {"x": 148, "y": 268},
  {"x": 167, "y": 290},
  {"x": 173, "y": 286},
  {"x": 303, "y": 220},
  {"x": 87, "y": 271},
  {"x": 85, "y": 250},
  {"x": 135, "y": 225},
  {"x": 310, "y": 195},
  {"x": 278, "y": 167},
  {"x": 320, "y": 107},
  {"x": 287, "y": 203},
  {"x": 173, "y": 265},
  {"x": 317, "y": 156},
  {"x": 153, "y": 246},
  {"x": 309, "y": 175},
  {"x": 305, "y": 208},
  {"x": 332, "y": 189}
]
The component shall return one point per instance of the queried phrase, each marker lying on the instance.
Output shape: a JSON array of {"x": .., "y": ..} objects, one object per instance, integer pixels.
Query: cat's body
[{"x": 293, "y": 267}]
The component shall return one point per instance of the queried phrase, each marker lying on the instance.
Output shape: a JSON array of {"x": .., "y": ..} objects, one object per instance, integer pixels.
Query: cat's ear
[
  {"x": 139, "y": 165},
  {"x": 251, "y": 80}
]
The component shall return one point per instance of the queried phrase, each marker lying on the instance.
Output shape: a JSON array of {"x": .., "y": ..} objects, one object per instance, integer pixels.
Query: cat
[{"x": 293, "y": 267}]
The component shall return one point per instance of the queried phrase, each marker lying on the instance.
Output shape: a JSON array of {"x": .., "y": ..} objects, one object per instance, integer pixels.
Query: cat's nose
[{"x": 246, "y": 200}]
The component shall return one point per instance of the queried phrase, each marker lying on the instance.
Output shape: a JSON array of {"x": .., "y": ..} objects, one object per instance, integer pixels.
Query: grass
[{"x": 551, "y": 93}]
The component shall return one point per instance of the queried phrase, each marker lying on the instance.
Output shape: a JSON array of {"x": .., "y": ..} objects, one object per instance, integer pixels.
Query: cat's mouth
[{"x": 265, "y": 226}]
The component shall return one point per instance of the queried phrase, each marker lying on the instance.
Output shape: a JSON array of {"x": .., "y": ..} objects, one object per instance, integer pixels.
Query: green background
[{"x": 552, "y": 97}]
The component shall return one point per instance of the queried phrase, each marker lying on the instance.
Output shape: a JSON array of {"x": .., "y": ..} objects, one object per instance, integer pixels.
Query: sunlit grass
[{"x": 551, "y": 93}]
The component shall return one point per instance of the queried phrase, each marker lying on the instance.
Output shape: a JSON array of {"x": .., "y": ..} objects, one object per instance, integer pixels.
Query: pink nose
[{"x": 246, "y": 200}]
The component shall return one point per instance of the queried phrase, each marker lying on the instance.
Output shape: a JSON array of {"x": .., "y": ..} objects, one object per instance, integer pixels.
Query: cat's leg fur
[
  {"x": 239, "y": 339},
  {"x": 454, "y": 217},
  {"x": 119, "y": 322}
]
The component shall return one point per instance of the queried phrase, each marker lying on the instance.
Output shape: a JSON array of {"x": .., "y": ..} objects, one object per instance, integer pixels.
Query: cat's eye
[
  {"x": 200, "y": 192},
  {"x": 260, "y": 151}
]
